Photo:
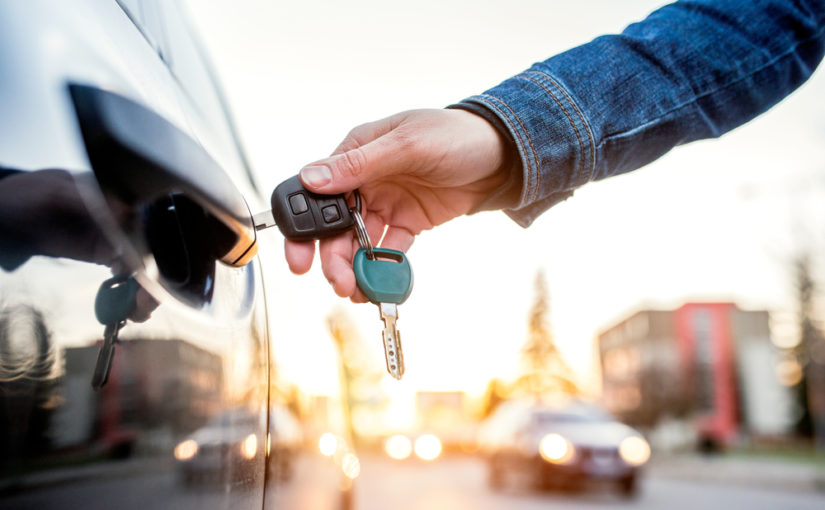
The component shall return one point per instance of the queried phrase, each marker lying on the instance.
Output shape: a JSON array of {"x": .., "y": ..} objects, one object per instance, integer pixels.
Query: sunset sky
[{"x": 716, "y": 220}]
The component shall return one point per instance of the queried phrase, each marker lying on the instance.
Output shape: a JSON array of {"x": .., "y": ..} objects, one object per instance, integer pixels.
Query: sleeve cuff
[{"x": 553, "y": 141}]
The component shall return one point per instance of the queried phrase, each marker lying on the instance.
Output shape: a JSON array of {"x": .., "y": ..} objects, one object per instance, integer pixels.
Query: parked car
[
  {"x": 124, "y": 193},
  {"x": 561, "y": 445}
]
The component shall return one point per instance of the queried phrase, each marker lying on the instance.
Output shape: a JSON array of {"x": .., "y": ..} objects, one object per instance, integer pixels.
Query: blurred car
[
  {"x": 286, "y": 441},
  {"x": 561, "y": 445},
  {"x": 118, "y": 158},
  {"x": 227, "y": 440}
]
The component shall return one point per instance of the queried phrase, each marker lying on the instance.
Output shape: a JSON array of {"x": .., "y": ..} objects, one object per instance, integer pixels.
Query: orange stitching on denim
[
  {"x": 535, "y": 193},
  {"x": 586, "y": 125},
  {"x": 566, "y": 114}
]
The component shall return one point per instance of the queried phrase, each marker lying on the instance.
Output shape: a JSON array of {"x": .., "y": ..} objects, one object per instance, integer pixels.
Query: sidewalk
[{"x": 767, "y": 473}]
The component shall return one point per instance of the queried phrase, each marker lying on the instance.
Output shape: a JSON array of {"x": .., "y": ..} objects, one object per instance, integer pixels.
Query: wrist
[{"x": 504, "y": 183}]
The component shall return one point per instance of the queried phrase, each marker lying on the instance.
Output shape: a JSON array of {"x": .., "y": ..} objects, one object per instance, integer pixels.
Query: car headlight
[
  {"x": 556, "y": 449},
  {"x": 328, "y": 444},
  {"x": 427, "y": 447},
  {"x": 634, "y": 450},
  {"x": 249, "y": 446},
  {"x": 399, "y": 447},
  {"x": 185, "y": 450}
]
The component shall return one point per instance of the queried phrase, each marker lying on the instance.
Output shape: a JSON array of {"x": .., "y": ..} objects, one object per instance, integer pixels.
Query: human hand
[{"x": 415, "y": 170}]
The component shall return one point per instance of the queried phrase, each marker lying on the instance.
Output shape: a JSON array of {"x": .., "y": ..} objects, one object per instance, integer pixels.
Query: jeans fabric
[{"x": 692, "y": 69}]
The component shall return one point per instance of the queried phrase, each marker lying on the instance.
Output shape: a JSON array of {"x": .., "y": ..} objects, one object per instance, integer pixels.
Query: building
[
  {"x": 183, "y": 400},
  {"x": 710, "y": 364}
]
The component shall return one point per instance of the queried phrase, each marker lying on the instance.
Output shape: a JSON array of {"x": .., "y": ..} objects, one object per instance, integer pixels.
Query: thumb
[{"x": 355, "y": 167}]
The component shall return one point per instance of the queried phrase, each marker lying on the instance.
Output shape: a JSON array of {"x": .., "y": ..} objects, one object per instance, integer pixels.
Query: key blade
[
  {"x": 104, "y": 357},
  {"x": 392, "y": 340},
  {"x": 263, "y": 220}
]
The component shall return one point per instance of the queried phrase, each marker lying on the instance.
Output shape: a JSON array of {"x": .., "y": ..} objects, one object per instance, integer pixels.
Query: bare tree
[
  {"x": 810, "y": 390},
  {"x": 545, "y": 372}
]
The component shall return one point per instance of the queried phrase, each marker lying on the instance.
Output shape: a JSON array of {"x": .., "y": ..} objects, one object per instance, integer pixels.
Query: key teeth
[{"x": 398, "y": 356}]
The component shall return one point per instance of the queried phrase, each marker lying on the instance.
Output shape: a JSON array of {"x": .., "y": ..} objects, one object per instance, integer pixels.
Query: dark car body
[{"x": 118, "y": 158}]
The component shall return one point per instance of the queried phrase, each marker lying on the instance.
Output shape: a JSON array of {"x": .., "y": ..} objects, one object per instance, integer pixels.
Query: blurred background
[{"x": 685, "y": 299}]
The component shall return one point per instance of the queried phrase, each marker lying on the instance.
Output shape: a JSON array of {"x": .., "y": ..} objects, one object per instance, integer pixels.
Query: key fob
[{"x": 305, "y": 216}]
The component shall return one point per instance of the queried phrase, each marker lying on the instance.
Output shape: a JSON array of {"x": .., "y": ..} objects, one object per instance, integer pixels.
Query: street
[
  {"x": 459, "y": 483},
  {"x": 450, "y": 483}
]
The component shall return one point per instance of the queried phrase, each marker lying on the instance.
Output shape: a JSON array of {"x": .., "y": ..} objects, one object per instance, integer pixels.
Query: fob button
[
  {"x": 298, "y": 203},
  {"x": 331, "y": 213}
]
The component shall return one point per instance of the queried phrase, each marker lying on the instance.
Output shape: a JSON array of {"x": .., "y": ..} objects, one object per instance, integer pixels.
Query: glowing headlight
[
  {"x": 634, "y": 450},
  {"x": 398, "y": 447},
  {"x": 428, "y": 447},
  {"x": 328, "y": 444},
  {"x": 249, "y": 446},
  {"x": 186, "y": 450},
  {"x": 556, "y": 449}
]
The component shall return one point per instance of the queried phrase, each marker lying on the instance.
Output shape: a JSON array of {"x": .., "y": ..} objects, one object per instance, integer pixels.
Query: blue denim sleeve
[{"x": 692, "y": 69}]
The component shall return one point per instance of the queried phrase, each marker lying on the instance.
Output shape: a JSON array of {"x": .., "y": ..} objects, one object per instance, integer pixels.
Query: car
[
  {"x": 561, "y": 444},
  {"x": 226, "y": 446},
  {"x": 135, "y": 340}
]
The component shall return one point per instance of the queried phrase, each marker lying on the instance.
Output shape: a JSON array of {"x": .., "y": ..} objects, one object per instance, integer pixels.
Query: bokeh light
[
  {"x": 328, "y": 444},
  {"x": 249, "y": 446},
  {"x": 556, "y": 449},
  {"x": 351, "y": 466},
  {"x": 634, "y": 450},
  {"x": 398, "y": 447},
  {"x": 186, "y": 449},
  {"x": 427, "y": 447}
]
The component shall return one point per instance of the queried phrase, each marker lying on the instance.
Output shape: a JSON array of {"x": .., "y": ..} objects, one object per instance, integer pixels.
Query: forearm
[{"x": 691, "y": 70}]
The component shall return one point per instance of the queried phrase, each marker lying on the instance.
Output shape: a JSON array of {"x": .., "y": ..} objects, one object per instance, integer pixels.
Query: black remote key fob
[{"x": 305, "y": 216}]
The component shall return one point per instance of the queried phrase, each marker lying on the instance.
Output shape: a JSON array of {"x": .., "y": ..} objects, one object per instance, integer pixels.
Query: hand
[{"x": 415, "y": 170}]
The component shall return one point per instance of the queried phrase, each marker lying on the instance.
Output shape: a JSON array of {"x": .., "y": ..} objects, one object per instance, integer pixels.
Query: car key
[
  {"x": 302, "y": 215},
  {"x": 386, "y": 279},
  {"x": 116, "y": 299}
]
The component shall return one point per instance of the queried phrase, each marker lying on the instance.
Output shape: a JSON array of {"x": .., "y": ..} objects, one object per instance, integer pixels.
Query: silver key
[{"x": 392, "y": 340}]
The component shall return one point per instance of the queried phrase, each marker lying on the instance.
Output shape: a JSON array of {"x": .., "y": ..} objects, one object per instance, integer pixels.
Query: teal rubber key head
[
  {"x": 116, "y": 300},
  {"x": 388, "y": 278}
]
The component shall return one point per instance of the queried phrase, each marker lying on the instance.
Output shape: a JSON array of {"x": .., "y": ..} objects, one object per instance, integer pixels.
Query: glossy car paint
[{"x": 197, "y": 369}]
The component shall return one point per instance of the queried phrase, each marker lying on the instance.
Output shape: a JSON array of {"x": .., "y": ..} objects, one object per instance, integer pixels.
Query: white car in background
[{"x": 561, "y": 446}]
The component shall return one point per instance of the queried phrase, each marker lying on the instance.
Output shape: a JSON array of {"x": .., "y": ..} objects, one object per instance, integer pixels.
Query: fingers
[
  {"x": 299, "y": 255},
  {"x": 398, "y": 238},
  {"x": 337, "y": 254},
  {"x": 336, "y": 262},
  {"x": 145, "y": 304},
  {"x": 358, "y": 165}
]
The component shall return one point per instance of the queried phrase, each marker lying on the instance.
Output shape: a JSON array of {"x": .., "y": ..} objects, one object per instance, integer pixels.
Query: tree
[
  {"x": 360, "y": 380},
  {"x": 810, "y": 390},
  {"x": 545, "y": 372}
]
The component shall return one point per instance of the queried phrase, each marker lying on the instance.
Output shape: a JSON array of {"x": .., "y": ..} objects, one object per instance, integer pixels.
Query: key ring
[{"x": 360, "y": 227}]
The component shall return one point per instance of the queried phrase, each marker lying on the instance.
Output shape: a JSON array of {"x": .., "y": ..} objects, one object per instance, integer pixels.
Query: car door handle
[{"x": 141, "y": 157}]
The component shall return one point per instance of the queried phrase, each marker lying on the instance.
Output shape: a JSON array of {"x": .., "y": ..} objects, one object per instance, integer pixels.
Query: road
[
  {"x": 451, "y": 483},
  {"x": 460, "y": 483}
]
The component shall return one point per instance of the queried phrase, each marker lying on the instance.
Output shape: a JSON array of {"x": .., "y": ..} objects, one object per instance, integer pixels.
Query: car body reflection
[
  {"x": 192, "y": 391},
  {"x": 226, "y": 446}
]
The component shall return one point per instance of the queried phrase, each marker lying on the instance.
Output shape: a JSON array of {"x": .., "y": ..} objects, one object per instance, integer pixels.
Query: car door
[{"x": 109, "y": 169}]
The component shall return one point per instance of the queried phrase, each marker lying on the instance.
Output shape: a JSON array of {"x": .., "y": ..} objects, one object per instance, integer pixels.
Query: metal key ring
[{"x": 361, "y": 232}]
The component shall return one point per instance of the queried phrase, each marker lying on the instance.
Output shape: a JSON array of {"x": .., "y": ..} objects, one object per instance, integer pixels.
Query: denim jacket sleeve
[{"x": 692, "y": 69}]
